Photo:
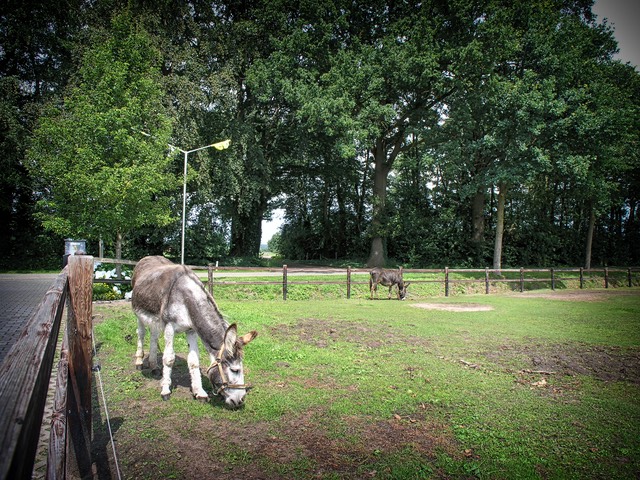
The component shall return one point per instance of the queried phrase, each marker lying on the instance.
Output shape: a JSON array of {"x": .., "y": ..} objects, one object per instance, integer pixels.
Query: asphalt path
[{"x": 20, "y": 295}]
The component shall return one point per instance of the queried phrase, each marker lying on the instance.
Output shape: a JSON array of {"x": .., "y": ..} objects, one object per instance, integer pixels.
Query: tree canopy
[
  {"x": 466, "y": 132},
  {"x": 99, "y": 176}
]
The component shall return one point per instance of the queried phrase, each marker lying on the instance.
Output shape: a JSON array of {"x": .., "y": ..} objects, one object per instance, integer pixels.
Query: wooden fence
[
  {"x": 444, "y": 276},
  {"x": 24, "y": 382},
  {"x": 489, "y": 277}
]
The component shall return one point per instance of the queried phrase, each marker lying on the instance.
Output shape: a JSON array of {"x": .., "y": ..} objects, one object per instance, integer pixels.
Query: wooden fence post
[
  {"x": 210, "y": 278},
  {"x": 521, "y": 279},
  {"x": 348, "y": 283},
  {"x": 553, "y": 280},
  {"x": 446, "y": 281},
  {"x": 284, "y": 282},
  {"x": 56, "y": 456},
  {"x": 80, "y": 331},
  {"x": 606, "y": 277},
  {"x": 581, "y": 277},
  {"x": 629, "y": 282},
  {"x": 486, "y": 280}
]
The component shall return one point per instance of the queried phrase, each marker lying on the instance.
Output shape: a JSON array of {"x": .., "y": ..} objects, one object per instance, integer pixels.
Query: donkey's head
[
  {"x": 402, "y": 289},
  {"x": 226, "y": 373}
]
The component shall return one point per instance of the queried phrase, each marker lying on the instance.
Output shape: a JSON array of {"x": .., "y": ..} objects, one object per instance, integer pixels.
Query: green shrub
[{"x": 105, "y": 291}]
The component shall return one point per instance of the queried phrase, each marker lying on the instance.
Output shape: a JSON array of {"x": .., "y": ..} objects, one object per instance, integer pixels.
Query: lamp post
[{"x": 218, "y": 146}]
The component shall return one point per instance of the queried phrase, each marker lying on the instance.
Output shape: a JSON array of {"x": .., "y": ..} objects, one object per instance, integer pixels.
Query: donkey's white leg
[
  {"x": 154, "y": 333},
  {"x": 168, "y": 358},
  {"x": 194, "y": 367},
  {"x": 140, "y": 350}
]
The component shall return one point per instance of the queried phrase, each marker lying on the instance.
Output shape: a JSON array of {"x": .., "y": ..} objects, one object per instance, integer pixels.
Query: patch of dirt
[
  {"x": 302, "y": 439},
  {"x": 225, "y": 449},
  {"x": 608, "y": 364},
  {"x": 322, "y": 333},
  {"x": 455, "y": 307},
  {"x": 585, "y": 295},
  {"x": 360, "y": 440},
  {"x": 601, "y": 362}
]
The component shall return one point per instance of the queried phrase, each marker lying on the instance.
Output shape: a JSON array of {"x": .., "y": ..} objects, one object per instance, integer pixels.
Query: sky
[
  {"x": 271, "y": 227},
  {"x": 623, "y": 15}
]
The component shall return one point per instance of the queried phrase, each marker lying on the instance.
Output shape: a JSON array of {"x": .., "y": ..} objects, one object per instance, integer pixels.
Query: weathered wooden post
[
  {"x": 606, "y": 277},
  {"x": 486, "y": 280},
  {"x": 521, "y": 279},
  {"x": 581, "y": 277},
  {"x": 210, "y": 278},
  {"x": 79, "y": 332},
  {"x": 553, "y": 280},
  {"x": 629, "y": 280},
  {"x": 56, "y": 456},
  {"x": 446, "y": 281},
  {"x": 284, "y": 282},
  {"x": 348, "y": 283}
]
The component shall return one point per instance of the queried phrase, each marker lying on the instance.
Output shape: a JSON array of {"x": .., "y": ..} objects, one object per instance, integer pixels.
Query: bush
[{"x": 107, "y": 291}]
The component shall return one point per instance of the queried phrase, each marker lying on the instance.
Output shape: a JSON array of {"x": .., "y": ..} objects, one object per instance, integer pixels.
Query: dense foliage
[{"x": 466, "y": 132}]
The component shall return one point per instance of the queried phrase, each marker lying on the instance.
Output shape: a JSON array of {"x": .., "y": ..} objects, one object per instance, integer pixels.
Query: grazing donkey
[
  {"x": 388, "y": 278},
  {"x": 170, "y": 298}
]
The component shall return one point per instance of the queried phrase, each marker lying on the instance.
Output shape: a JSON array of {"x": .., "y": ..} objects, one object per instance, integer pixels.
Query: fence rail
[
  {"x": 488, "y": 276},
  {"x": 446, "y": 280},
  {"x": 24, "y": 382}
]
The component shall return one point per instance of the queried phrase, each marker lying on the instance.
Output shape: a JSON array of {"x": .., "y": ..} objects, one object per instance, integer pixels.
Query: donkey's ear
[
  {"x": 230, "y": 338},
  {"x": 247, "y": 337}
]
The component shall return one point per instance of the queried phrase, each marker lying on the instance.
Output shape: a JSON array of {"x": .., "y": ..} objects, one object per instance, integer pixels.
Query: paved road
[{"x": 20, "y": 295}]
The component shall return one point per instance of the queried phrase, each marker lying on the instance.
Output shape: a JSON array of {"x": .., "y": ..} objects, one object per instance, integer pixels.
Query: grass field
[{"x": 540, "y": 385}]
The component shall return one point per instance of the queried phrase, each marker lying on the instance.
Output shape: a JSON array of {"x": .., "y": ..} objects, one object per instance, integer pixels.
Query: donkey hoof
[
  {"x": 166, "y": 397},
  {"x": 139, "y": 367},
  {"x": 202, "y": 399}
]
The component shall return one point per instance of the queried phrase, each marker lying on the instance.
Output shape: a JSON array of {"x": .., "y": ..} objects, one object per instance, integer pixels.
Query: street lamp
[{"x": 218, "y": 146}]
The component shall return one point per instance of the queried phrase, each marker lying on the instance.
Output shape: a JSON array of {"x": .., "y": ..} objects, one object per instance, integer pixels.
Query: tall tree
[
  {"x": 99, "y": 176},
  {"x": 248, "y": 109},
  {"x": 610, "y": 129},
  {"x": 35, "y": 64},
  {"x": 389, "y": 78},
  {"x": 519, "y": 98}
]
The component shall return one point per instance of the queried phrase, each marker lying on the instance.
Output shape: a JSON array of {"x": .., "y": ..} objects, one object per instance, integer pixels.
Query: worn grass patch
[{"x": 533, "y": 388}]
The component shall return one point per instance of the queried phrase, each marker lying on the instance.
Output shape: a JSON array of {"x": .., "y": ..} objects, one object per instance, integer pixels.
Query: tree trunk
[
  {"x": 118, "y": 254},
  {"x": 361, "y": 195},
  {"x": 326, "y": 222},
  {"x": 592, "y": 223},
  {"x": 477, "y": 218},
  {"x": 377, "y": 257},
  {"x": 497, "y": 249},
  {"x": 341, "y": 244},
  {"x": 245, "y": 236},
  {"x": 246, "y": 231}
]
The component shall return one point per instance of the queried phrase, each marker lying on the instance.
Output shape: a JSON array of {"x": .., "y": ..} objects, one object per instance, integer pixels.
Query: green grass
[{"x": 351, "y": 371}]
